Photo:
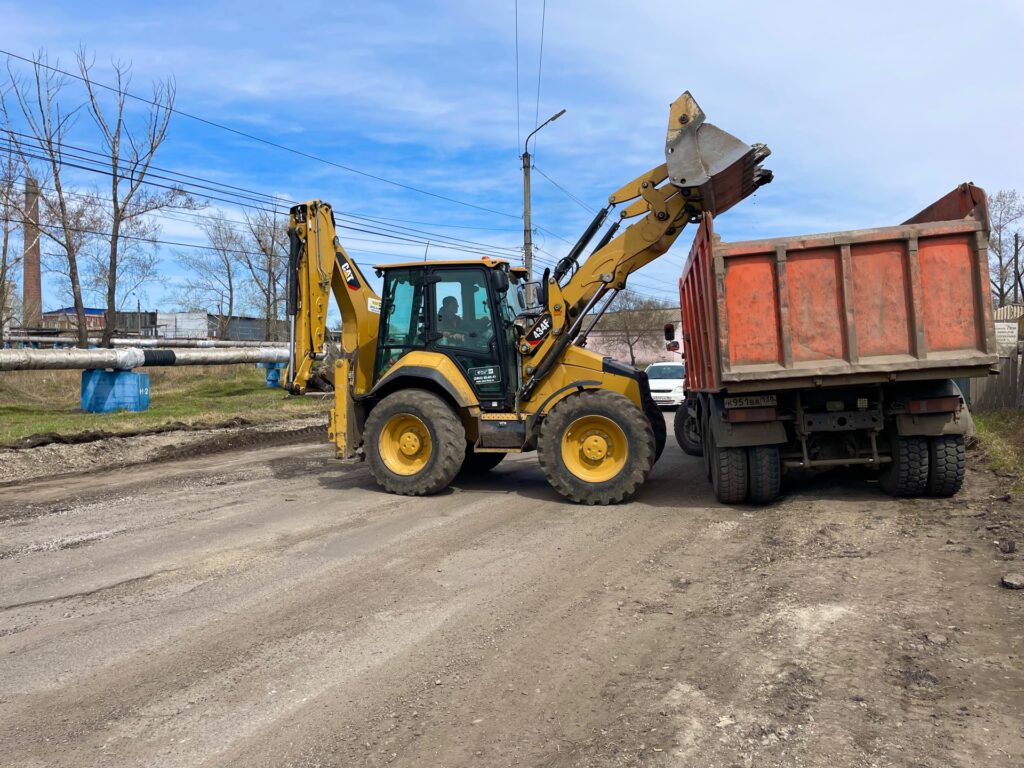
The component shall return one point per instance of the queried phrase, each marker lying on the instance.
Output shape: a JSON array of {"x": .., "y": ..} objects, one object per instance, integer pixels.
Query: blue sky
[{"x": 872, "y": 110}]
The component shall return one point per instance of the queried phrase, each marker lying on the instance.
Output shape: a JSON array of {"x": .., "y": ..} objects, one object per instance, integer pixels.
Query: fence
[{"x": 1003, "y": 391}]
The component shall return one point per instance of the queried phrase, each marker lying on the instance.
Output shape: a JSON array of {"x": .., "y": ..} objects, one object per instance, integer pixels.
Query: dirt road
[{"x": 272, "y": 608}]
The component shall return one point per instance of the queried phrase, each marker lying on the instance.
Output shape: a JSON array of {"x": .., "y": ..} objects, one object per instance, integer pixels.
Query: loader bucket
[{"x": 707, "y": 162}]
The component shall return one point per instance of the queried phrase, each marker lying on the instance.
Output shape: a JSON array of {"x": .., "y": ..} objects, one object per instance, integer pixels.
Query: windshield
[{"x": 666, "y": 372}]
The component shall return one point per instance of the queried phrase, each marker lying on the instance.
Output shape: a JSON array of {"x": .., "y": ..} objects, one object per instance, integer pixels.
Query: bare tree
[
  {"x": 633, "y": 319},
  {"x": 9, "y": 218},
  {"x": 212, "y": 282},
  {"x": 39, "y": 147},
  {"x": 137, "y": 261},
  {"x": 265, "y": 264},
  {"x": 130, "y": 153},
  {"x": 1006, "y": 214}
]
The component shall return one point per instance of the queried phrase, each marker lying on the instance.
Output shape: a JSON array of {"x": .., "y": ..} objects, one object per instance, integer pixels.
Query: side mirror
[
  {"x": 672, "y": 346},
  {"x": 499, "y": 281},
  {"x": 670, "y": 333}
]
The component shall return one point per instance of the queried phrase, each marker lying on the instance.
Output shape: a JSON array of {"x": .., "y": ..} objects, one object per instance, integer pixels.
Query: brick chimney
[{"x": 32, "y": 287}]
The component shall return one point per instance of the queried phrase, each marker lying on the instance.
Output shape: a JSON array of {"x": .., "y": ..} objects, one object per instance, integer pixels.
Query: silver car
[{"x": 668, "y": 383}]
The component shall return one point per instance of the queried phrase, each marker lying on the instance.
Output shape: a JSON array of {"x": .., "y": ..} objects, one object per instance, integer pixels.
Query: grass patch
[
  {"x": 1001, "y": 435},
  {"x": 37, "y": 402}
]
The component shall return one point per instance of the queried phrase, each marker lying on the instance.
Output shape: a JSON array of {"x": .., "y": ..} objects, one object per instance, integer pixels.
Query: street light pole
[{"x": 527, "y": 226}]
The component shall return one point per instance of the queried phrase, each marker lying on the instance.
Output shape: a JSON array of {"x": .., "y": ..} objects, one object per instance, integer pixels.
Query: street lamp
[{"x": 527, "y": 229}]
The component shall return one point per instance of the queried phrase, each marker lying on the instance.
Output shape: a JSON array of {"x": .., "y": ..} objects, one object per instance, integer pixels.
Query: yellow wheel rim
[
  {"x": 404, "y": 444},
  {"x": 594, "y": 448}
]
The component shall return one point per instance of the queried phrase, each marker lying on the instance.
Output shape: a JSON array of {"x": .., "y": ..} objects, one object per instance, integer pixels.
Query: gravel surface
[{"x": 270, "y": 607}]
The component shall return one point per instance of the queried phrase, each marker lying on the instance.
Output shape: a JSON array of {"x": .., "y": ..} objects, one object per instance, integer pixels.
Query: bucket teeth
[{"x": 711, "y": 164}]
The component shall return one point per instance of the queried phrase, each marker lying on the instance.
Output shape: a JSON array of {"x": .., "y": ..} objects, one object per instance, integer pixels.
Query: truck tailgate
[{"x": 896, "y": 303}]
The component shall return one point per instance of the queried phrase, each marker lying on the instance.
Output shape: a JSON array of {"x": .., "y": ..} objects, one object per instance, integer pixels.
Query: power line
[
  {"x": 565, "y": 191},
  {"x": 268, "y": 203},
  {"x": 519, "y": 130},
  {"x": 259, "y": 139},
  {"x": 540, "y": 65}
]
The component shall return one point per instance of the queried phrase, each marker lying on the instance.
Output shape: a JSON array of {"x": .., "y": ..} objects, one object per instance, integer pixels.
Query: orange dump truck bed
[{"x": 873, "y": 305}]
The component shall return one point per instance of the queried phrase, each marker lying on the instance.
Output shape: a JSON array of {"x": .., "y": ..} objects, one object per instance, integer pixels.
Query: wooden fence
[{"x": 1006, "y": 390}]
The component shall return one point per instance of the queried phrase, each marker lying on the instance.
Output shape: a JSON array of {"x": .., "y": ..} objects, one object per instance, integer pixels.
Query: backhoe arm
[{"x": 317, "y": 267}]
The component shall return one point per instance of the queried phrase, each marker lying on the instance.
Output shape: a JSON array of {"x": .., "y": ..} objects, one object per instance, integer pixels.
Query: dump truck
[{"x": 837, "y": 349}]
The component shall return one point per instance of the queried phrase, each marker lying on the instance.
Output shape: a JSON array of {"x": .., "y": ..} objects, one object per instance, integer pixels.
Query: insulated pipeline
[{"x": 126, "y": 359}]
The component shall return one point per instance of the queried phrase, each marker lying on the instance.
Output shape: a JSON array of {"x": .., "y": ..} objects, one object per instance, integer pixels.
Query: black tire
[
  {"x": 728, "y": 472},
  {"x": 706, "y": 447},
  {"x": 907, "y": 473},
  {"x": 639, "y": 453},
  {"x": 947, "y": 464},
  {"x": 479, "y": 463},
  {"x": 687, "y": 434},
  {"x": 447, "y": 437},
  {"x": 657, "y": 419},
  {"x": 765, "y": 470}
]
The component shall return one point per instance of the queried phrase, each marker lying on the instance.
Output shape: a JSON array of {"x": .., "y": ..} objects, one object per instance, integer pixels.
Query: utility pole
[{"x": 527, "y": 225}]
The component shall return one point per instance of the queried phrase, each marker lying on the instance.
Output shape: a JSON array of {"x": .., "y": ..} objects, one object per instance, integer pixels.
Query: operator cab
[{"x": 465, "y": 310}]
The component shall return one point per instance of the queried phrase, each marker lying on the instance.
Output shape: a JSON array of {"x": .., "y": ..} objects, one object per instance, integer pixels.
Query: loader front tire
[
  {"x": 414, "y": 442},
  {"x": 657, "y": 419},
  {"x": 596, "y": 447}
]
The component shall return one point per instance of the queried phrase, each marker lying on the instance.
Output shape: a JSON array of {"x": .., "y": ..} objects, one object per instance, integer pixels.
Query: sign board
[{"x": 1006, "y": 337}]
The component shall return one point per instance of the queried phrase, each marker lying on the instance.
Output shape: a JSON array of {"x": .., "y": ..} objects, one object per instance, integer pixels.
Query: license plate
[
  {"x": 751, "y": 401},
  {"x": 662, "y": 398}
]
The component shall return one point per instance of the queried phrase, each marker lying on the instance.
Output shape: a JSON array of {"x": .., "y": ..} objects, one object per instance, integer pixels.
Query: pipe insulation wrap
[{"x": 126, "y": 359}]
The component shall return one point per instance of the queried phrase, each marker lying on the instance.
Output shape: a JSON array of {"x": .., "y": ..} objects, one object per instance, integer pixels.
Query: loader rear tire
[
  {"x": 478, "y": 463},
  {"x": 596, "y": 447},
  {"x": 728, "y": 472},
  {"x": 907, "y": 473},
  {"x": 414, "y": 442},
  {"x": 947, "y": 464},
  {"x": 687, "y": 434}
]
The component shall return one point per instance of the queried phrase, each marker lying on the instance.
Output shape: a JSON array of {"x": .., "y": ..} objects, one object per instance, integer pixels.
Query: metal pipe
[
  {"x": 155, "y": 342},
  {"x": 126, "y": 359}
]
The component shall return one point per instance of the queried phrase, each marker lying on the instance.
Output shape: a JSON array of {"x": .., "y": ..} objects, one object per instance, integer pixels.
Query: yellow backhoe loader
[{"x": 449, "y": 370}]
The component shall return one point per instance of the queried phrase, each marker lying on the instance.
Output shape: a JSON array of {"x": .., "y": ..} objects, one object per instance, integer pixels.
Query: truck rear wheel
[
  {"x": 765, "y": 473},
  {"x": 687, "y": 434},
  {"x": 414, "y": 443},
  {"x": 596, "y": 447},
  {"x": 907, "y": 473},
  {"x": 947, "y": 464},
  {"x": 728, "y": 472}
]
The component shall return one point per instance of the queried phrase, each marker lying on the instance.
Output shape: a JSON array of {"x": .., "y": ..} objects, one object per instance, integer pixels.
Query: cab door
[{"x": 465, "y": 327}]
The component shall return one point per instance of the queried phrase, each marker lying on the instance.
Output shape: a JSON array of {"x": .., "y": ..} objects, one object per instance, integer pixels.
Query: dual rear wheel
[
  {"x": 925, "y": 466},
  {"x": 920, "y": 466},
  {"x": 739, "y": 475}
]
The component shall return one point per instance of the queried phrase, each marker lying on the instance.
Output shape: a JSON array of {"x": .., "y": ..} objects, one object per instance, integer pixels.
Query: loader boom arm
[{"x": 706, "y": 169}]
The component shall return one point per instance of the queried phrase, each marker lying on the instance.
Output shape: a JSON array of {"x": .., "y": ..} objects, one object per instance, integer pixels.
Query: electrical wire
[
  {"x": 259, "y": 139},
  {"x": 566, "y": 192},
  {"x": 540, "y": 66}
]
